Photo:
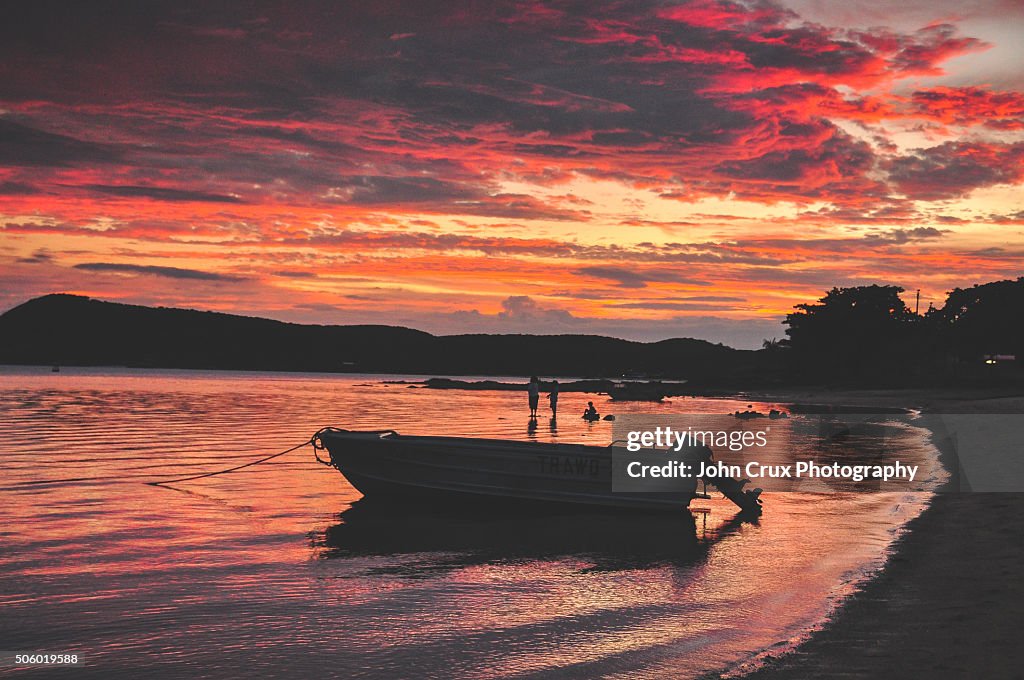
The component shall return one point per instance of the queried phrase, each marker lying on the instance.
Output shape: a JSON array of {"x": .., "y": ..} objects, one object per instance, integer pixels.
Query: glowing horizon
[{"x": 645, "y": 170}]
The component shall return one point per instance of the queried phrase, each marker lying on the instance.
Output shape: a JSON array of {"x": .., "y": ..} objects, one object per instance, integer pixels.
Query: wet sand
[{"x": 950, "y": 602}]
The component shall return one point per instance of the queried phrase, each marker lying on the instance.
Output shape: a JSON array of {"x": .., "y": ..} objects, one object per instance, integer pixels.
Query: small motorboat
[{"x": 384, "y": 463}]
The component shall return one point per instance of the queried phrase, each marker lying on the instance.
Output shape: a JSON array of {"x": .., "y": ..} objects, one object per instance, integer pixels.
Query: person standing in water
[
  {"x": 533, "y": 390},
  {"x": 553, "y": 399}
]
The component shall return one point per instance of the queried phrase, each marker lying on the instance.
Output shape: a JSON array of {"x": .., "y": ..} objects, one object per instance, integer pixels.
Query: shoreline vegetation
[{"x": 852, "y": 337}]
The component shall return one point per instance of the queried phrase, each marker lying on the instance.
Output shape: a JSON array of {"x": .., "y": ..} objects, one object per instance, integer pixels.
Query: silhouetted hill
[{"x": 75, "y": 330}]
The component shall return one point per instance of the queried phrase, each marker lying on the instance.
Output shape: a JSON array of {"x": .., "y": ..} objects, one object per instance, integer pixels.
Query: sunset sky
[{"x": 637, "y": 169}]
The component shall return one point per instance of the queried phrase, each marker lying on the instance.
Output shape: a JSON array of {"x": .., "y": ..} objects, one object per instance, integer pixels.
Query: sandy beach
[{"x": 947, "y": 604}]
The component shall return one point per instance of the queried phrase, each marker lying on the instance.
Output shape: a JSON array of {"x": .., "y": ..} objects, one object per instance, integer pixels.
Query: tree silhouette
[
  {"x": 857, "y": 333},
  {"x": 983, "y": 319}
]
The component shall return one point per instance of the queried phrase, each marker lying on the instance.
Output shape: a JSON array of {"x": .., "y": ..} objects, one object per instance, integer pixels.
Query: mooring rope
[{"x": 237, "y": 467}]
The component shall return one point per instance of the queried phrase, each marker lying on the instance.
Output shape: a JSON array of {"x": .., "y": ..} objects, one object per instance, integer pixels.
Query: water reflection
[
  {"x": 256, "y": 573},
  {"x": 508, "y": 533}
]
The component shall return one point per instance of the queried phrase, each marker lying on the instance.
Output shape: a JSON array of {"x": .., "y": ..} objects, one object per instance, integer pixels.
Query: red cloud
[
  {"x": 971, "y": 106},
  {"x": 188, "y": 127},
  {"x": 724, "y": 15},
  {"x": 955, "y": 168}
]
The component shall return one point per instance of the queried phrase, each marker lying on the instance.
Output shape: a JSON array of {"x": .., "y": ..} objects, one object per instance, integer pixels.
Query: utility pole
[{"x": 917, "y": 305}]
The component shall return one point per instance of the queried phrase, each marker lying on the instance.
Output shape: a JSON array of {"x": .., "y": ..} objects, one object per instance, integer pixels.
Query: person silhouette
[
  {"x": 553, "y": 399},
  {"x": 533, "y": 392},
  {"x": 591, "y": 413}
]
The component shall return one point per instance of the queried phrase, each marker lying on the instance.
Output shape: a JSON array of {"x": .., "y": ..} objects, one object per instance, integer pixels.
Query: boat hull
[{"x": 390, "y": 465}]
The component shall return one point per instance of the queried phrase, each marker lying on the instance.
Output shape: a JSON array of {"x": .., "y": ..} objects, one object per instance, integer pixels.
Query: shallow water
[{"x": 277, "y": 569}]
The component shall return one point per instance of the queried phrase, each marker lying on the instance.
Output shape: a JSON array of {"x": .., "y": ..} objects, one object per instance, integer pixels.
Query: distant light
[{"x": 990, "y": 361}]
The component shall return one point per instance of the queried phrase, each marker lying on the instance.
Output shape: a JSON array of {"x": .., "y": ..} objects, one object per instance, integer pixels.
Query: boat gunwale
[{"x": 449, "y": 466}]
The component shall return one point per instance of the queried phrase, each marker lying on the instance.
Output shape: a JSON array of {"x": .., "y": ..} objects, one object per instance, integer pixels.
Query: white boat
[{"x": 383, "y": 463}]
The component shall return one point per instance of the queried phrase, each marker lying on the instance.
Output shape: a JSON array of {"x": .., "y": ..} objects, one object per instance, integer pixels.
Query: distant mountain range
[{"x": 74, "y": 330}]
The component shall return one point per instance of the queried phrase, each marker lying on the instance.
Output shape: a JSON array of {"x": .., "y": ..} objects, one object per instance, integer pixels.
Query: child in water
[{"x": 591, "y": 412}]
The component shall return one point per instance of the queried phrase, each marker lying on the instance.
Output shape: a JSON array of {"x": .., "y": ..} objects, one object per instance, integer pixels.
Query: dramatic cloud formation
[
  {"x": 955, "y": 169},
  {"x": 638, "y": 168},
  {"x": 169, "y": 272},
  {"x": 971, "y": 106}
]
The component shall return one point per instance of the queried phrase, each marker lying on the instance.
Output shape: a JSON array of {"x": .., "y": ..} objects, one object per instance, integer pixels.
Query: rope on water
[{"x": 237, "y": 467}]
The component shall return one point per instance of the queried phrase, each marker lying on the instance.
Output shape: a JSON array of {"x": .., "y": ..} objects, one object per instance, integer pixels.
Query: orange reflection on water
[{"x": 280, "y": 569}]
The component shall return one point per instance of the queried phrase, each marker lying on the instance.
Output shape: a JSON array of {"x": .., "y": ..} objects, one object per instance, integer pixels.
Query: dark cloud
[
  {"x": 156, "y": 270},
  {"x": 17, "y": 189},
  {"x": 837, "y": 164},
  {"x": 922, "y": 51},
  {"x": 954, "y": 169},
  {"x": 382, "y": 190},
  {"x": 892, "y": 212},
  {"x": 971, "y": 106},
  {"x": 397, "y": 106},
  {"x": 630, "y": 278},
  {"x": 1012, "y": 218},
  {"x": 431, "y": 194},
  {"x": 159, "y": 193},
  {"x": 21, "y": 145},
  {"x": 40, "y": 256},
  {"x": 676, "y": 306},
  {"x": 899, "y": 236},
  {"x": 551, "y": 150},
  {"x": 296, "y": 274}
]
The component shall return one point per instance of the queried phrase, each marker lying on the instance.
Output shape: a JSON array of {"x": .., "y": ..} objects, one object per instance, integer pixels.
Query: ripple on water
[{"x": 277, "y": 569}]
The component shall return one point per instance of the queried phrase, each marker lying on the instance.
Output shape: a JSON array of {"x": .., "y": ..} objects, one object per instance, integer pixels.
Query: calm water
[{"x": 277, "y": 569}]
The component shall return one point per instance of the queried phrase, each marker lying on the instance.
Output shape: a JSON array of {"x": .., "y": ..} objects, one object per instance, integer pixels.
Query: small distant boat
[
  {"x": 55, "y": 369},
  {"x": 385, "y": 464}
]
